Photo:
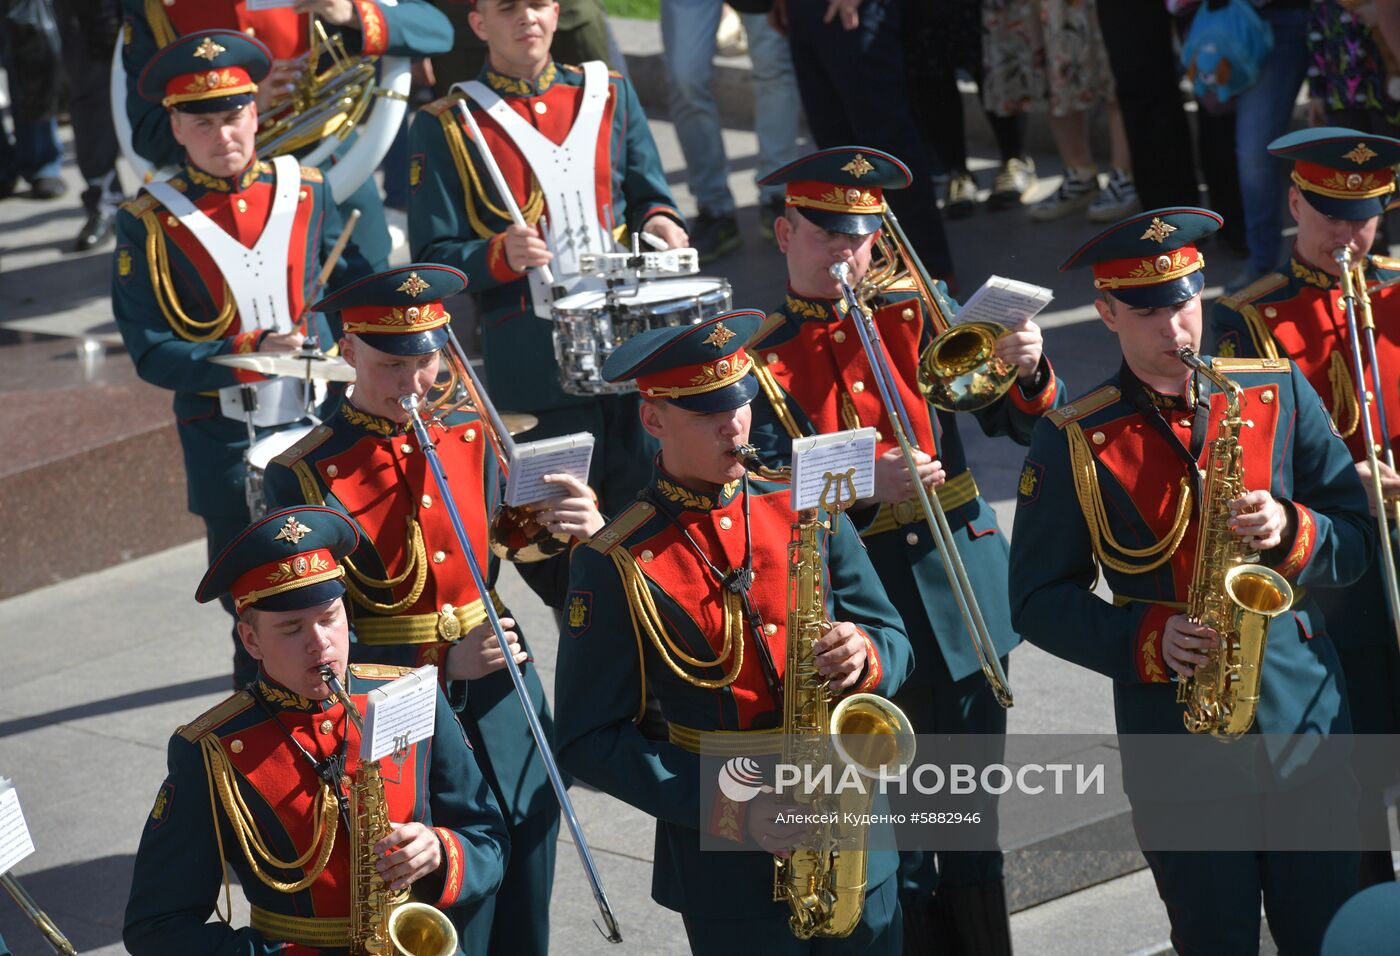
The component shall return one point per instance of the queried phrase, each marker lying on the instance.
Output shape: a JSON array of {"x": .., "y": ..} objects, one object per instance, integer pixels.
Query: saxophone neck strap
[
  {"x": 1141, "y": 399},
  {"x": 331, "y": 770}
]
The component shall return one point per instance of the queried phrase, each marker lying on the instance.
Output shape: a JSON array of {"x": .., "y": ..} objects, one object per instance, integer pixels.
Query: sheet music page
[
  {"x": 1007, "y": 301},
  {"x": 848, "y": 456},
  {"x": 15, "y": 842},
  {"x": 565, "y": 455},
  {"x": 400, "y": 713}
]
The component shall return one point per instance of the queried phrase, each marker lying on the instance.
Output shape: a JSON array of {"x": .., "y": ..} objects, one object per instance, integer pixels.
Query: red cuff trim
[
  {"x": 1043, "y": 400},
  {"x": 496, "y": 262},
  {"x": 667, "y": 211},
  {"x": 728, "y": 820},
  {"x": 873, "y": 670},
  {"x": 1147, "y": 646},
  {"x": 1304, "y": 543},
  {"x": 374, "y": 30},
  {"x": 452, "y": 878},
  {"x": 243, "y": 344}
]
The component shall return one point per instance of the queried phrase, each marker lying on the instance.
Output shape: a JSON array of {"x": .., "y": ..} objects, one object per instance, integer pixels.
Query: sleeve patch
[
  {"x": 580, "y": 612},
  {"x": 123, "y": 262},
  {"x": 415, "y": 171},
  {"x": 1028, "y": 487},
  {"x": 165, "y": 799}
]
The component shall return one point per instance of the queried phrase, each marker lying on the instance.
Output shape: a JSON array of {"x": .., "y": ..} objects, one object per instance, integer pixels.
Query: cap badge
[
  {"x": 719, "y": 336},
  {"x": 1158, "y": 230},
  {"x": 853, "y": 196},
  {"x": 1164, "y": 263},
  {"x": 858, "y": 167},
  {"x": 1360, "y": 153},
  {"x": 413, "y": 286},
  {"x": 300, "y": 565},
  {"x": 208, "y": 50},
  {"x": 293, "y": 531},
  {"x": 1353, "y": 180}
]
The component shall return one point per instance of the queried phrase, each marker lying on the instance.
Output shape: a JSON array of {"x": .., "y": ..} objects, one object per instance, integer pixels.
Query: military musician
[
  {"x": 260, "y": 781},
  {"x": 1115, "y": 484},
  {"x": 817, "y": 378},
  {"x": 684, "y": 595},
  {"x": 412, "y": 599},
  {"x": 1341, "y": 181},
  {"x": 220, "y": 260}
]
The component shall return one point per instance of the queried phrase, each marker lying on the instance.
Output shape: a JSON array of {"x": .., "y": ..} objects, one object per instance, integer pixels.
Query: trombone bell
[{"x": 960, "y": 370}]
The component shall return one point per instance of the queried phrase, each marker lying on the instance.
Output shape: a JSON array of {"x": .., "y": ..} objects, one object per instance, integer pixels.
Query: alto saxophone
[
  {"x": 1229, "y": 591},
  {"x": 382, "y": 921},
  {"x": 823, "y": 884}
]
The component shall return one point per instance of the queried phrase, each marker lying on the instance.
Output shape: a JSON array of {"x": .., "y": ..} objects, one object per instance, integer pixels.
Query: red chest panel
[
  {"x": 381, "y": 486},
  {"x": 825, "y": 369},
  {"x": 284, "y": 32},
  {"x": 669, "y": 561},
  {"x": 1141, "y": 460},
  {"x": 286, "y": 781},
  {"x": 1312, "y": 328},
  {"x": 246, "y": 224},
  {"x": 560, "y": 107}
]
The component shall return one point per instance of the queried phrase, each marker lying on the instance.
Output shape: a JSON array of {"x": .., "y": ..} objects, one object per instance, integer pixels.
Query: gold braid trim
[
  {"x": 1086, "y": 489},
  {"x": 158, "y": 260},
  {"x": 323, "y": 822},
  {"x": 310, "y": 487},
  {"x": 418, "y": 560},
  {"x": 850, "y": 418},
  {"x": 472, "y": 189},
  {"x": 161, "y": 27},
  {"x": 774, "y": 393},
  {"x": 1264, "y": 344},
  {"x": 646, "y": 619},
  {"x": 1344, "y": 400}
]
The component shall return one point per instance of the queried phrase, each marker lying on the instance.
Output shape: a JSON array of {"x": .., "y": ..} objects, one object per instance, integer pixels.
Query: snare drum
[
  {"x": 259, "y": 455},
  {"x": 589, "y": 325}
]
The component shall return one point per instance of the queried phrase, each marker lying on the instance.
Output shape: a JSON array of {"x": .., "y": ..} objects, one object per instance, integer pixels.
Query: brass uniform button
[
  {"x": 857, "y": 387},
  {"x": 772, "y": 357},
  {"x": 646, "y": 555},
  {"x": 879, "y": 436},
  {"x": 726, "y": 522},
  {"x": 439, "y": 557},
  {"x": 172, "y": 222},
  {"x": 236, "y": 746},
  {"x": 406, "y": 448},
  {"x": 1270, "y": 312},
  {"x": 1268, "y": 396},
  {"x": 838, "y": 336},
  {"x": 911, "y": 538},
  {"x": 303, "y": 196},
  {"x": 907, "y": 315},
  {"x": 1099, "y": 438},
  {"x": 427, "y": 501},
  {"x": 770, "y": 629},
  {"x": 332, "y": 470},
  {"x": 326, "y": 726},
  {"x": 242, "y": 205},
  {"x": 540, "y": 107},
  {"x": 469, "y": 435}
]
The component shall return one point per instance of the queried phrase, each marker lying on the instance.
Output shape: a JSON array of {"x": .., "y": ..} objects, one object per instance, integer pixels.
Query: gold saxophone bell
[{"x": 417, "y": 929}]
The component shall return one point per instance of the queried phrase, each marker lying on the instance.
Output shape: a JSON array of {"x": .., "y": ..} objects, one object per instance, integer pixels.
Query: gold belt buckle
[
  {"x": 448, "y": 627},
  {"x": 906, "y": 511}
]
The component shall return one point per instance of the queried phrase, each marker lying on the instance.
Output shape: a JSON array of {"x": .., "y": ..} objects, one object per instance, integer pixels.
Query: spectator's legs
[
  {"x": 94, "y": 138},
  {"x": 688, "y": 35},
  {"x": 777, "y": 106}
]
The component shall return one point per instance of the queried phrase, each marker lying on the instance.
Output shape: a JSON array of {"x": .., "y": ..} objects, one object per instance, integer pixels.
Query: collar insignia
[{"x": 293, "y": 531}]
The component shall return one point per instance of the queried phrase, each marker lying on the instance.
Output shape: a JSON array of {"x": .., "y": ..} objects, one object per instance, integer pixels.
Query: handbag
[{"x": 1224, "y": 52}]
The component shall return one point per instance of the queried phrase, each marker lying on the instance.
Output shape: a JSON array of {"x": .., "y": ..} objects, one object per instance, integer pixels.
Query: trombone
[
  {"x": 1353, "y": 292},
  {"x": 932, "y": 507},
  {"x": 411, "y": 404},
  {"x": 52, "y": 934}
]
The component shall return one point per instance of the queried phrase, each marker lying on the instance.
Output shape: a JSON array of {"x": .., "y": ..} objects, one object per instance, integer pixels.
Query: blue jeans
[
  {"x": 688, "y": 34},
  {"x": 34, "y": 152},
  {"x": 1262, "y": 115}
]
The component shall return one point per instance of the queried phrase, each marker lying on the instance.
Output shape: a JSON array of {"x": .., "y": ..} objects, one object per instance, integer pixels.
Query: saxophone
[
  {"x": 382, "y": 921},
  {"x": 1229, "y": 592},
  {"x": 824, "y": 885}
]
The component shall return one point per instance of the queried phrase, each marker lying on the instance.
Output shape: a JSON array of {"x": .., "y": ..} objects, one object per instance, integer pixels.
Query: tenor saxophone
[
  {"x": 1229, "y": 591},
  {"x": 382, "y": 921}
]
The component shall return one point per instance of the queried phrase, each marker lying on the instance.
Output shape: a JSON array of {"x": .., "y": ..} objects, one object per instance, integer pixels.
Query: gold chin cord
[
  {"x": 52, "y": 934},
  {"x": 1356, "y": 307},
  {"x": 933, "y": 509},
  {"x": 959, "y": 371}
]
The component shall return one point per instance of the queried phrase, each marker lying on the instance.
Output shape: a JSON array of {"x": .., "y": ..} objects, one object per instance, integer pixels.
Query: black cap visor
[{"x": 1163, "y": 293}]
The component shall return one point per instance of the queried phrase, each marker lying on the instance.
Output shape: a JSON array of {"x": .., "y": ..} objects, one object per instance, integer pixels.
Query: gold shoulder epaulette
[
  {"x": 441, "y": 105},
  {"x": 142, "y": 204},
  {"x": 379, "y": 671},
  {"x": 308, "y": 443},
  {"x": 620, "y": 528},
  {"x": 310, "y": 174},
  {"x": 615, "y": 74},
  {"x": 1081, "y": 407},
  {"x": 902, "y": 284},
  {"x": 1257, "y": 289},
  {"x": 774, "y": 320},
  {"x": 1221, "y": 364},
  {"x": 219, "y": 714},
  {"x": 1385, "y": 262}
]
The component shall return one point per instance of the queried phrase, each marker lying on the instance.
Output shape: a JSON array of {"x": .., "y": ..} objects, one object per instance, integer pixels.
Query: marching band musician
[
  {"x": 684, "y": 595},
  {"x": 255, "y": 781},
  {"x": 412, "y": 598},
  {"x": 412, "y": 28},
  {"x": 1113, "y": 485},
  {"x": 589, "y": 127},
  {"x": 1342, "y": 180},
  {"x": 199, "y": 265},
  {"x": 816, "y": 378}
]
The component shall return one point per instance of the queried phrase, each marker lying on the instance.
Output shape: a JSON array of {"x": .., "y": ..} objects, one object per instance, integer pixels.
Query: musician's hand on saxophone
[
  {"x": 767, "y": 828},
  {"x": 576, "y": 513},
  {"x": 893, "y": 482},
  {"x": 1258, "y": 518},
  {"x": 525, "y": 248},
  {"x": 1390, "y": 482},
  {"x": 1022, "y": 347},
  {"x": 840, "y": 655},
  {"x": 478, "y": 653},
  {"x": 410, "y": 852},
  {"x": 1184, "y": 644}
]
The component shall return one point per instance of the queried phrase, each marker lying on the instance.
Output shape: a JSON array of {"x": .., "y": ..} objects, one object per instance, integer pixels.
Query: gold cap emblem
[
  {"x": 1353, "y": 180},
  {"x": 208, "y": 49},
  {"x": 413, "y": 286},
  {"x": 301, "y": 565},
  {"x": 1360, "y": 153},
  {"x": 858, "y": 167},
  {"x": 719, "y": 336},
  {"x": 1164, "y": 263},
  {"x": 293, "y": 531},
  {"x": 1158, "y": 230}
]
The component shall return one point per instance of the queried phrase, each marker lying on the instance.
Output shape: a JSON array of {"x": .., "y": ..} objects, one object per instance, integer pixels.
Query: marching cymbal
[
  {"x": 517, "y": 422},
  {"x": 315, "y": 365}
]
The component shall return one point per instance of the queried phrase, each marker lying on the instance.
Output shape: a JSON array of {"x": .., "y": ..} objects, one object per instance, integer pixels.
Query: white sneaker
[
  {"x": 1076, "y": 192},
  {"x": 1118, "y": 199}
]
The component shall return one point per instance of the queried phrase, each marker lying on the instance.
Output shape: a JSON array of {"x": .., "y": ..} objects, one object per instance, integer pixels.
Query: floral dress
[
  {"x": 1043, "y": 55},
  {"x": 1345, "y": 67}
]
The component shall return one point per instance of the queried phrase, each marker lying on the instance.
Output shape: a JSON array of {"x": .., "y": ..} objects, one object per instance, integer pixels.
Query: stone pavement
[{"x": 98, "y": 670}]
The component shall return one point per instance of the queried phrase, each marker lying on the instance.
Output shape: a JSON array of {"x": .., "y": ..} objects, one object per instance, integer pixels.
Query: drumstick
[
  {"x": 499, "y": 181},
  {"x": 324, "y": 275}
]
